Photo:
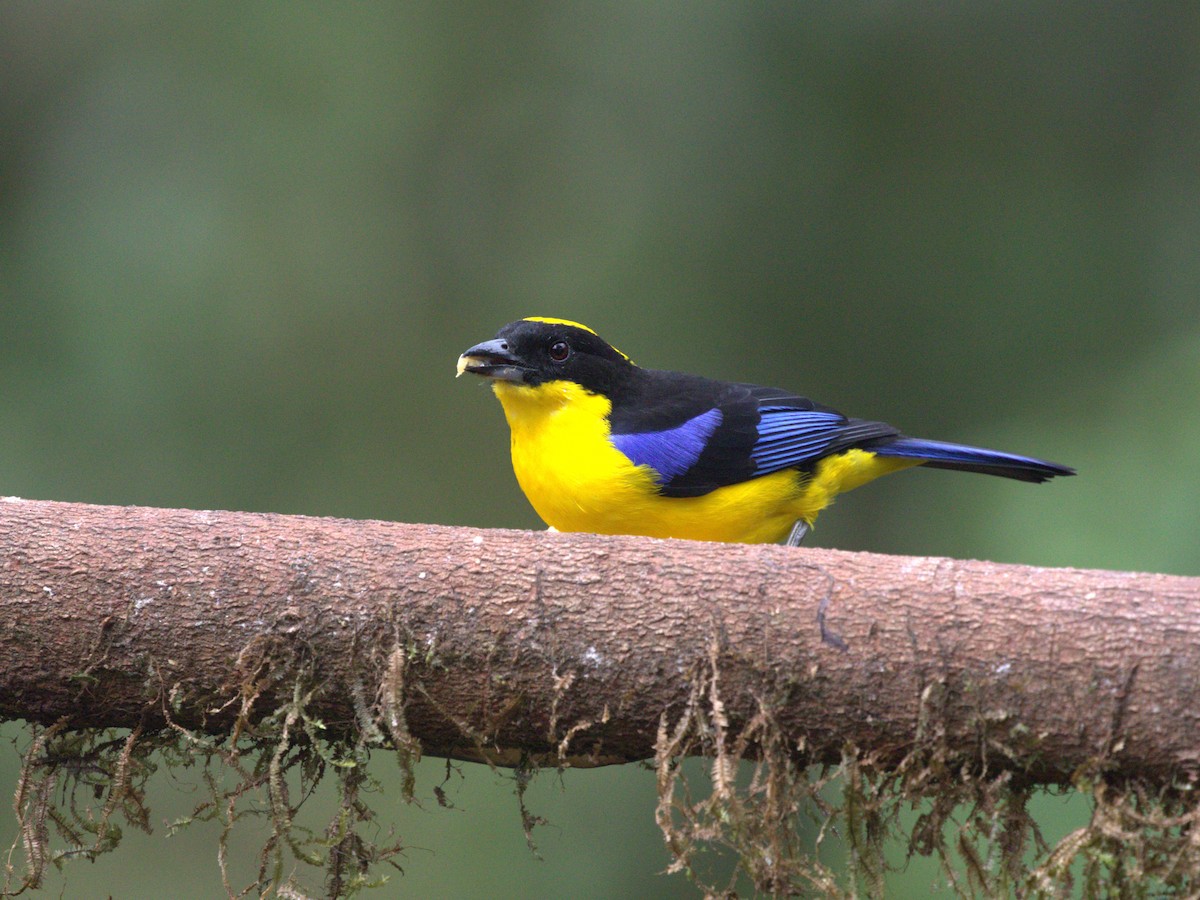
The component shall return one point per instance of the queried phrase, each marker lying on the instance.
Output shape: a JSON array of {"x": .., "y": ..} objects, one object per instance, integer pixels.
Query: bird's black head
[{"x": 536, "y": 351}]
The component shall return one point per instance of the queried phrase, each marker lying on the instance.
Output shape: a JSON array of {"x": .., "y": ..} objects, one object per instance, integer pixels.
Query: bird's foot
[{"x": 798, "y": 533}]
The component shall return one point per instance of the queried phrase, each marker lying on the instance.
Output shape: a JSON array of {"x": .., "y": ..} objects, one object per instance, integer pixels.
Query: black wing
[{"x": 700, "y": 434}]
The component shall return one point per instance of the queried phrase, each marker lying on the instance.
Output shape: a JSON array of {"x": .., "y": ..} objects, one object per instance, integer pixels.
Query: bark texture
[{"x": 511, "y": 642}]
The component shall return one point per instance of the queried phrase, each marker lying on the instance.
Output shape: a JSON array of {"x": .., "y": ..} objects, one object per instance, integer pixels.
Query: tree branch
[{"x": 470, "y": 643}]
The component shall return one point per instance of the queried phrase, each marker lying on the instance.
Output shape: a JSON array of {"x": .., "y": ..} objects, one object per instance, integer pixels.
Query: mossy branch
[
  {"x": 505, "y": 645},
  {"x": 283, "y": 648}
]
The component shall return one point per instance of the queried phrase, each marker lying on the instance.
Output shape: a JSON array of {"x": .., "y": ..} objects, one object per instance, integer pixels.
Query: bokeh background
[{"x": 241, "y": 246}]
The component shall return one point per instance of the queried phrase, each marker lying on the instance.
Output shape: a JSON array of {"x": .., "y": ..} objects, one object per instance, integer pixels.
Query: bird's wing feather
[
  {"x": 670, "y": 451},
  {"x": 791, "y": 437},
  {"x": 797, "y": 438},
  {"x": 704, "y": 434}
]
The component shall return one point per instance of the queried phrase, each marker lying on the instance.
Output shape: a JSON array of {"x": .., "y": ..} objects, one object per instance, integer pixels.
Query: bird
[{"x": 602, "y": 445}]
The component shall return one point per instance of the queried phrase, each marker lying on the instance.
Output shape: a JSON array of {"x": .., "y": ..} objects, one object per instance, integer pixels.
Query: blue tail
[{"x": 939, "y": 455}]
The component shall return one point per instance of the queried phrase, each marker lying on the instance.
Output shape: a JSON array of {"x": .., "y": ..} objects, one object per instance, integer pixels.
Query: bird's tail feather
[{"x": 940, "y": 455}]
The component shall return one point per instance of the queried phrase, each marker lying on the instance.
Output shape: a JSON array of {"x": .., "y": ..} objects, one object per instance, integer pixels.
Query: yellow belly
[{"x": 577, "y": 480}]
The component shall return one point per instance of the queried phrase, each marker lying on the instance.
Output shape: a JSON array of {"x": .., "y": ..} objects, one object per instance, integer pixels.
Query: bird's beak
[{"x": 492, "y": 359}]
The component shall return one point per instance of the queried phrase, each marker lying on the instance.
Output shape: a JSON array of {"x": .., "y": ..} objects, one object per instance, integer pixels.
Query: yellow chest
[{"x": 574, "y": 477}]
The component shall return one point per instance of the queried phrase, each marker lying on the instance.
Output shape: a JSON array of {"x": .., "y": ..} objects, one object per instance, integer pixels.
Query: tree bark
[{"x": 504, "y": 643}]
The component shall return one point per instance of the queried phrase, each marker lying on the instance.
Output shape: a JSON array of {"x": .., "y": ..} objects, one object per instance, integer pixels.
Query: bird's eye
[{"x": 559, "y": 351}]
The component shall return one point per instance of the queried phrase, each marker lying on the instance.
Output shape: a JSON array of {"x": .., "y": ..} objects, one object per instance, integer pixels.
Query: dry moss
[
  {"x": 760, "y": 818},
  {"x": 763, "y": 806},
  {"x": 77, "y": 785}
]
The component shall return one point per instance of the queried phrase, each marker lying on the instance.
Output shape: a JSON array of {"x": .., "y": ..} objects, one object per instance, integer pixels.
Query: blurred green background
[{"x": 241, "y": 246}]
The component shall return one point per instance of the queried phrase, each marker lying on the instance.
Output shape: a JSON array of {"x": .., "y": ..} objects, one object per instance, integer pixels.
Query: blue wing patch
[
  {"x": 790, "y": 437},
  {"x": 671, "y": 452}
]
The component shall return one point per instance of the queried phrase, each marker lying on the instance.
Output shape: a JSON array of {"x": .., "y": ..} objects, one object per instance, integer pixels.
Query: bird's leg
[
  {"x": 798, "y": 533},
  {"x": 833, "y": 639}
]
